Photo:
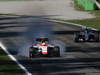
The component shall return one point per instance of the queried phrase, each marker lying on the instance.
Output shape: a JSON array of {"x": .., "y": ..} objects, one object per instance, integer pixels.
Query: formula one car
[
  {"x": 87, "y": 34},
  {"x": 43, "y": 48}
]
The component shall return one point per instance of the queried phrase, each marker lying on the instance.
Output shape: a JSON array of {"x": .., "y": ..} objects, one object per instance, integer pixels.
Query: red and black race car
[{"x": 43, "y": 48}]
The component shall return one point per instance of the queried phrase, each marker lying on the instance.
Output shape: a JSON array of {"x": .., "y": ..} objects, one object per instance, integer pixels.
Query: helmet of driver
[{"x": 43, "y": 43}]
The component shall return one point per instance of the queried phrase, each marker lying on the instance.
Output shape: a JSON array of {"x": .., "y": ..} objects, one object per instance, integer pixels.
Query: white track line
[
  {"x": 15, "y": 60},
  {"x": 70, "y": 23}
]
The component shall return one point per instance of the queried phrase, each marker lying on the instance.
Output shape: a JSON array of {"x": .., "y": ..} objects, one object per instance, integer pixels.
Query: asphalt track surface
[{"x": 79, "y": 58}]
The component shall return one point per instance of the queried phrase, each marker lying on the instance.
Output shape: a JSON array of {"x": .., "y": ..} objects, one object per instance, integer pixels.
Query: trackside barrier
[{"x": 87, "y": 4}]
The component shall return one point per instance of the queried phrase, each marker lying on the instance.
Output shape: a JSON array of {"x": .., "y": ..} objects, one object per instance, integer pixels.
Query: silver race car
[
  {"x": 43, "y": 48},
  {"x": 87, "y": 34}
]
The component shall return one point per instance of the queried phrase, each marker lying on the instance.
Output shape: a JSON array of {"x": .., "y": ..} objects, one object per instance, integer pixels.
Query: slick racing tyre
[
  {"x": 31, "y": 52},
  {"x": 96, "y": 37},
  {"x": 76, "y": 37},
  {"x": 57, "y": 51}
]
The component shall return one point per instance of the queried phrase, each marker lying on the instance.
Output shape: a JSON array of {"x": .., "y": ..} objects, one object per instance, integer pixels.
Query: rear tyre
[
  {"x": 76, "y": 37},
  {"x": 96, "y": 37},
  {"x": 57, "y": 51},
  {"x": 31, "y": 52}
]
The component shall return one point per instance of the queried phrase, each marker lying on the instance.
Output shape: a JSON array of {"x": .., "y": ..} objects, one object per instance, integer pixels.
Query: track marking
[
  {"x": 15, "y": 60},
  {"x": 70, "y": 23}
]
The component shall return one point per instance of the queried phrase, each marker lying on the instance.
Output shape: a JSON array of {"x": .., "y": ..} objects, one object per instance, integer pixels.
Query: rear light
[{"x": 31, "y": 54}]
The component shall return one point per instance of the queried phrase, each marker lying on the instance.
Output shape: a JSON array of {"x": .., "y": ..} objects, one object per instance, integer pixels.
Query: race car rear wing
[{"x": 40, "y": 39}]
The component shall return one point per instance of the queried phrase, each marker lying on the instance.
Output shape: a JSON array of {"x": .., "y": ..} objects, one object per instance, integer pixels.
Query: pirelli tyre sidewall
[
  {"x": 31, "y": 52},
  {"x": 57, "y": 51}
]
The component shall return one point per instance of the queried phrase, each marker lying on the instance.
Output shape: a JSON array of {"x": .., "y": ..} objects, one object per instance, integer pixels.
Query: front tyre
[{"x": 57, "y": 51}]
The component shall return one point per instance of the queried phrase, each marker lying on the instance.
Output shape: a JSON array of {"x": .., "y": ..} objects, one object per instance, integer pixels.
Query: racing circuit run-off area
[{"x": 41, "y": 46}]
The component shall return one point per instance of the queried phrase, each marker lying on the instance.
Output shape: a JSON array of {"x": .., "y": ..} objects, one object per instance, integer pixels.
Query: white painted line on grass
[
  {"x": 70, "y": 23},
  {"x": 15, "y": 60}
]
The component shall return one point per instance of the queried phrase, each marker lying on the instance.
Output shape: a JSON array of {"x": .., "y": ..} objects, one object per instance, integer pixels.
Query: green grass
[
  {"x": 1, "y": 14},
  {"x": 81, "y": 8},
  {"x": 7, "y": 66},
  {"x": 11, "y": 0},
  {"x": 77, "y": 6},
  {"x": 92, "y": 22},
  {"x": 21, "y": 0}
]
